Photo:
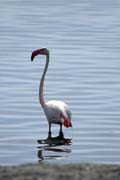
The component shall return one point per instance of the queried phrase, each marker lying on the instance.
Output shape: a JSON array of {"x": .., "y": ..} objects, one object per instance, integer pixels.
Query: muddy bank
[{"x": 60, "y": 172}]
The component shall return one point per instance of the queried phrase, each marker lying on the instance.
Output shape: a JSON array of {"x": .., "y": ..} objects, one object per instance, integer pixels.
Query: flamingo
[{"x": 57, "y": 112}]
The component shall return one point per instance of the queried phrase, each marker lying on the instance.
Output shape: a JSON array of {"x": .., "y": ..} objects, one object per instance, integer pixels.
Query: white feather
[{"x": 53, "y": 109}]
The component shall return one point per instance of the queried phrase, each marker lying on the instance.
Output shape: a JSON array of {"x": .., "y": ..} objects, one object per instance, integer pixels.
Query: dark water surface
[{"x": 84, "y": 42}]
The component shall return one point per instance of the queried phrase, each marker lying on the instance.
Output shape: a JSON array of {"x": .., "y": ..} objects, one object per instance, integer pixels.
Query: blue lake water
[{"x": 84, "y": 71}]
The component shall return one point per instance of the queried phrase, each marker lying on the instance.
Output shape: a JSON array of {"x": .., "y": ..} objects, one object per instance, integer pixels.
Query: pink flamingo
[{"x": 57, "y": 112}]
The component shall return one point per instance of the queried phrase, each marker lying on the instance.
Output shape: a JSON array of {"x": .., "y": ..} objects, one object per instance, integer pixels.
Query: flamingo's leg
[
  {"x": 49, "y": 132},
  {"x": 61, "y": 133}
]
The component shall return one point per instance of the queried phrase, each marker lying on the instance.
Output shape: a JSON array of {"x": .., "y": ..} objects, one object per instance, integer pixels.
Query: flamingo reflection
[{"x": 56, "y": 146}]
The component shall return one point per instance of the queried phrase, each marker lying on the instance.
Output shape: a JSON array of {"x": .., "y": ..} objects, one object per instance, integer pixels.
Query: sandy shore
[{"x": 60, "y": 172}]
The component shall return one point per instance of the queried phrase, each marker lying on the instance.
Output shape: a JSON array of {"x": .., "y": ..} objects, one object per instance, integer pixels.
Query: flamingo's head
[{"x": 43, "y": 51}]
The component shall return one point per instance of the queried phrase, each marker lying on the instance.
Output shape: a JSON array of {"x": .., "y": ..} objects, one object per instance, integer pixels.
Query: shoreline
[{"x": 60, "y": 171}]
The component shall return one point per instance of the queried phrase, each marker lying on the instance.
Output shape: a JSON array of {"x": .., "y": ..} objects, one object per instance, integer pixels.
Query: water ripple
[{"x": 84, "y": 71}]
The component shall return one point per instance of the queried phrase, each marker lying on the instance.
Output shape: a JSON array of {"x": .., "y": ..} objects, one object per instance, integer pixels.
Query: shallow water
[{"x": 84, "y": 42}]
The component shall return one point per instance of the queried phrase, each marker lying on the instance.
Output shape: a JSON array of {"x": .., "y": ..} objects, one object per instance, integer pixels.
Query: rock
[{"x": 60, "y": 172}]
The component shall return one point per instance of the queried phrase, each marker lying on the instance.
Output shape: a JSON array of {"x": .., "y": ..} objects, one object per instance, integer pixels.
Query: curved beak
[{"x": 35, "y": 53}]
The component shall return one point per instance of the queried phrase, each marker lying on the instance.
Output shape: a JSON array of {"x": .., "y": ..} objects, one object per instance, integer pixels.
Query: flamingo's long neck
[{"x": 41, "y": 95}]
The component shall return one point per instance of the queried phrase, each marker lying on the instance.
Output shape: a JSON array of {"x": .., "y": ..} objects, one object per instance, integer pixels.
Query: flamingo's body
[{"x": 57, "y": 112}]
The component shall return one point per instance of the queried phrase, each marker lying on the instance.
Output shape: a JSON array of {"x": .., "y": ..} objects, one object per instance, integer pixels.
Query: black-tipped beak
[
  {"x": 32, "y": 57},
  {"x": 35, "y": 53}
]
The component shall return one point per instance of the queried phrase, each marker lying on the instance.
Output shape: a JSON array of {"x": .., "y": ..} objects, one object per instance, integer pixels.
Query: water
[{"x": 84, "y": 42}]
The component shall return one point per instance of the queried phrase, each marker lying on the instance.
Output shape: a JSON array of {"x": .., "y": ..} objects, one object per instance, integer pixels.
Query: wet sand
[{"x": 60, "y": 172}]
